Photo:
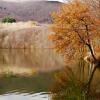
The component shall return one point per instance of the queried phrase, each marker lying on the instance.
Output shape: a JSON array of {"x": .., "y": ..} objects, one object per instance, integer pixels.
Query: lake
[{"x": 27, "y": 74}]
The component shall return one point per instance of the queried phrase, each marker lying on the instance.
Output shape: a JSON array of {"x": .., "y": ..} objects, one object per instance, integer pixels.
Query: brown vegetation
[
  {"x": 24, "y": 35},
  {"x": 77, "y": 31}
]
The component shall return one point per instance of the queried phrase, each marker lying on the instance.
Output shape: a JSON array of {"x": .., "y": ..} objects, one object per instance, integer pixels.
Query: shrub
[{"x": 8, "y": 20}]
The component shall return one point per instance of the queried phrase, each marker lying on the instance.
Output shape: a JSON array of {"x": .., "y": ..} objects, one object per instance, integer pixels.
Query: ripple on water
[{"x": 25, "y": 96}]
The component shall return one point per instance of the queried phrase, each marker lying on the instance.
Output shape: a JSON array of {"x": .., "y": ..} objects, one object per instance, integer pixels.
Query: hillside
[{"x": 30, "y": 10}]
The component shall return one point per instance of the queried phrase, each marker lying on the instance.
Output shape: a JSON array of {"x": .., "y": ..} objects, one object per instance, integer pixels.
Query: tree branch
[{"x": 89, "y": 43}]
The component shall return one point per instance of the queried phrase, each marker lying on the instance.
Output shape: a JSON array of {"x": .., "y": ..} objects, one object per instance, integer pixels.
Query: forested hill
[{"x": 31, "y": 10}]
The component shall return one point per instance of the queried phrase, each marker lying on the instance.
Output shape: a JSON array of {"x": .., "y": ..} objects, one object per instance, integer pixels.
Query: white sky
[{"x": 30, "y": 0}]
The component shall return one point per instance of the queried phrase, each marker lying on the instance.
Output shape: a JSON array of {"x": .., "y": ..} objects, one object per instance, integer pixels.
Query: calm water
[{"x": 27, "y": 74}]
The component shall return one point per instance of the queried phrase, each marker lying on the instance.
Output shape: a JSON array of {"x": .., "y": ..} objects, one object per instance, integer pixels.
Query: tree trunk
[{"x": 88, "y": 85}]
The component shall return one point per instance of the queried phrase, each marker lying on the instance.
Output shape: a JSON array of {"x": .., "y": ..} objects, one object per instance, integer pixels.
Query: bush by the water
[{"x": 8, "y": 20}]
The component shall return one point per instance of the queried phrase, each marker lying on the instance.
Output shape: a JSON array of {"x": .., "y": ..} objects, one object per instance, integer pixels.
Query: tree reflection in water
[
  {"x": 29, "y": 61},
  {"x": 67, "y": 86},
  {"x": 71, "y": 83}
]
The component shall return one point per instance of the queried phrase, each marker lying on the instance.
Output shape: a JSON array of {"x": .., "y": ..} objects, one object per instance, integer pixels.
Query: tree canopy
[{"x": 75, "y": 27}]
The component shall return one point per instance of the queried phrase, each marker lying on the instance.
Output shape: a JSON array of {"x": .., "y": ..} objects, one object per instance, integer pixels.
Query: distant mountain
[{"x": 30, "y": 10}]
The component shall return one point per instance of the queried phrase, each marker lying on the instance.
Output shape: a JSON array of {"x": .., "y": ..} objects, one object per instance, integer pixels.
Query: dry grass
[
  {"x": 24, "y": 35},
  {"x": 18, "y": 25}
]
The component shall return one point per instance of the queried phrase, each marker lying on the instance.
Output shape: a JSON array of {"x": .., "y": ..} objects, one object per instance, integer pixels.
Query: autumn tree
[
  {"x": 76, "y": 27},
  {"x": 95, "y": 6}
]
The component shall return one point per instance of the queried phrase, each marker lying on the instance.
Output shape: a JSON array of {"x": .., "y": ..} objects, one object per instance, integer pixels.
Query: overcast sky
[{"x": 29, "y": 0}]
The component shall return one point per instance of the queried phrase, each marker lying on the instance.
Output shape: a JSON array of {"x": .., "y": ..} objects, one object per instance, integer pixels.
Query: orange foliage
[{"x": 74, "y": 27}]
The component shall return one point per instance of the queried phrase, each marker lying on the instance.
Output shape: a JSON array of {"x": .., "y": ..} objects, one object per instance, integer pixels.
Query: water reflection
[
  {"x": 36, "y": 84},
  {"x": 70, "y": 83},
  {"x": 24, "y": 97},
  {"x": 27, "y": 62},
  {"x": 27, "y": 74}
]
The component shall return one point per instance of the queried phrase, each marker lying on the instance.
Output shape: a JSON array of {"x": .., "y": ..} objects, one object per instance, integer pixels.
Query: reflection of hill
[
  {"x": 36, "y": 84},
  {"x": 42, "y": 60}
]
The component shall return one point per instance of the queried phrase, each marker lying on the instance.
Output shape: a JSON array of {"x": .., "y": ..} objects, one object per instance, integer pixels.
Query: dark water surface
[{"x": 27, "y": 74}]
